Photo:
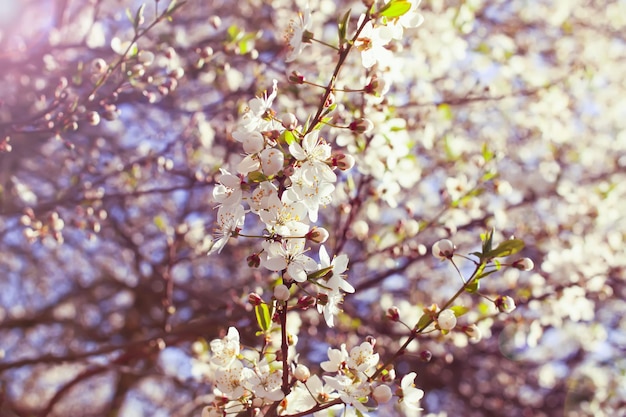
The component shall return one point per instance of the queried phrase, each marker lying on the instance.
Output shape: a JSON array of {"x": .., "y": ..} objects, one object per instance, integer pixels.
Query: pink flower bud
[
  {"x": 296, "y": 78},
  {"x": 255, "y": 299},
  {"x": 330, "y": 100},
  {"x": 305, "y": 302},
  {"x": 524, "y": 264},
  {"x": 301, "y": 373},
  {"x": 505, "y": 304},
  {"x": 474, "y": 333},
  {"x": 343, "y": 161},
  {"x": 281, "y": 292},
  {"x": 393, "y": 314},
  {"x": 443, "y": 249},
  {"x": 361, "y": 125},
  {"x": 426, "y": 356},
  {"x": 254, "y": 260},
  {"x": 317, "y": 234},
  {"x": 289, "y": 121},
  {"x": 446, "y": 320},
  {"x": 382, "y": 394}
]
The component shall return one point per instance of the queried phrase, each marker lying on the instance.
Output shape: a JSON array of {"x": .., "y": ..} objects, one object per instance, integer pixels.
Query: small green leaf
[
  {"x": 506, "y": 248},
  {"x": 129, "y": 15},
  {"x": 174, "y": 5},
  {"x": 160, "y": 223},
  {"x": 139, "y": 17},
  {"x": 319, "y": 274},
  {"x": 288, "y": 137},
  {"x": 445, "y": 111},
  {"x": 459, "y": 310},
  {"x": 395, "y": 8},
  {"x": 487, "y": 239},
  {"x": 343, "y": 27},
  {"x": 233, "y": 33},
  {"x": 473, "y": 286},
  {"x": 424, "y": 321},
  {"x": 257, "y": 176},
  {"x": 263, "y": 318}
]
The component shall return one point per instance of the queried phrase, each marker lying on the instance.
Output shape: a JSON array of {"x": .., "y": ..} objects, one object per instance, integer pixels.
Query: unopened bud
[
  {"x": 289, "y": 121},
  {"x": 330, "y": 100},
  {"x": 93, "y": 118},
  {"x": 371, "y": 340},
  {"x": 317, "y": 234},
  {"x": 524, "y": 264},
  {"x": 389, "y": 376},
  {"x": 393, "y": 314},
  {"x": 177, "y": 73},
  {"x": 382, "y": 394},
  {"x": 505, "y": 304},
  {"x": 301, "y": 373},
  {"x": 343, "y": 161},
  {"x": 443, "y": 249},
  {"x": 281, "y": 292},
  {"x": 215, "y": 21},
  {"x": 296, "y": 78},
  {"x": 305, "y": 302},
  {"x": 426, "y": 356},
  {"x": 474, "y": 333},
  {"x": 99, "y": 65},
  {"x": 254, "y": 260},
  {"x": 361, "y": 125},
  {"x": 255, "y": 299},
  {"x": 322, "y": 299},
  {"x": 446, "y": 320}
]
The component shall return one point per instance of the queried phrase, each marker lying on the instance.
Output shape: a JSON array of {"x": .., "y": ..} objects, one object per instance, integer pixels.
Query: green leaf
[
  {"x": 174, "y": 5},
  {"x": 160, "y": 223},
  {"x": 288, "y": 137},
  {"x": 263, "y": 318},
  {"x": 343, "y": 27},
  {"x": 139, "y": 17},
  {"x": 473, "y": 286},
  {"x": 234, "y": 33},
  {"x": 506, "y": 248},
  {"x": 487, "y": 239},
  {"x": 424, "y": 321},
  {"x": 257, "y": 176},
  {"x": 319, "y": 274},
  {"x": 129, "y": 15},
  {"x": 395, "y": 8},
  {"x": 445, "y": 111},
  {"x": 459, "y": 310}
]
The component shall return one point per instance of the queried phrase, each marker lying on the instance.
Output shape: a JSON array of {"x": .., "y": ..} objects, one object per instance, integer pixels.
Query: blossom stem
[
  {"x": 325, "y": 44},
  {"x": 343, "y": 54},
  {"x": 417, "y": 332}
]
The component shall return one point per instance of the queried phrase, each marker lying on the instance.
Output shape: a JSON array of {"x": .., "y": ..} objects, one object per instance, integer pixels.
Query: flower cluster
[
  {"x": 243, "y": 380},
  {"x": 284, "y": 178}
]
